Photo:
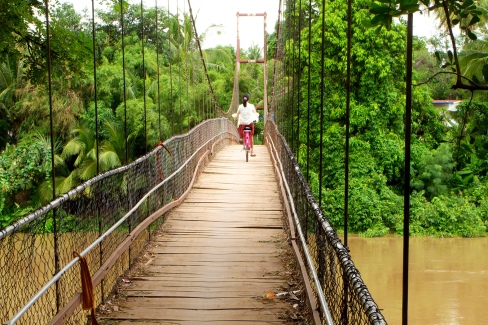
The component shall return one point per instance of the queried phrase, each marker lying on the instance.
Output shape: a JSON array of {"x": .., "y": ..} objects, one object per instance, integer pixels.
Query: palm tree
[
  {"x": 474, "y": 57},
  {"x": 83, "y": 147},
  {"x": 13, "y": 89},
  {"x": 441, "y": 16}
]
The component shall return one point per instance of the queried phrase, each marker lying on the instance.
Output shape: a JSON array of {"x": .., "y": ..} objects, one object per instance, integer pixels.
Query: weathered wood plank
[
  {"x": 233, "y": 315},
  {"x": 192, "y": 322},
  {"x": 208, "y": 268},
  {"x": 207, "y": 304}
]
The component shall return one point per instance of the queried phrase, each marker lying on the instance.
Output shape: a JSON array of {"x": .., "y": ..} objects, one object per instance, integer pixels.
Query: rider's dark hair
[{"x": 245, "y": 99}]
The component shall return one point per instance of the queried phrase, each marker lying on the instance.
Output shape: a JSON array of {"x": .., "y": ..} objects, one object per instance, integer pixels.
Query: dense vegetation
[
  {"x": 129, "y": 123},
  {"x": 449, "y": 188}
]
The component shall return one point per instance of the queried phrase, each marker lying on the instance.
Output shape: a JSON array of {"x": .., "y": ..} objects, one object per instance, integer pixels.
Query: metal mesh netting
[
  {"x": 42, "y": 244},
  {"x": 346, "y": 296}
]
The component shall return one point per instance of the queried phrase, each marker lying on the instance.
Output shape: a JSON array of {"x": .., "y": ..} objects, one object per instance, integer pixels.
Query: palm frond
[
  {"x": 73, "y": 147},
  {"x": 88, "y": 169},
  {"x": 64, "y": 184},
  {"x": 45, "y": 192},
  {"x": 109, "y": 160}
]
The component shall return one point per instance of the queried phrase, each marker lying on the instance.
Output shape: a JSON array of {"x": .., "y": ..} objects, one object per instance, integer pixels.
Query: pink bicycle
[{"x": 247, "y": 141}]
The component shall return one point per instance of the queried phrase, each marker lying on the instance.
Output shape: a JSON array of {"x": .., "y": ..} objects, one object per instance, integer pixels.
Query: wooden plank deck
[{"x": 218, "y": 254}]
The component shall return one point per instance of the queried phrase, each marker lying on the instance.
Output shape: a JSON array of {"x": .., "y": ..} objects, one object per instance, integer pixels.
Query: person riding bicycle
[{"x": 246, "y": 115}]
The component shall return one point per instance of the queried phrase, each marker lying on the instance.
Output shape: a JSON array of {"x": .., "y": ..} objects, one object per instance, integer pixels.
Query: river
[{"x": 448, "y": 278}]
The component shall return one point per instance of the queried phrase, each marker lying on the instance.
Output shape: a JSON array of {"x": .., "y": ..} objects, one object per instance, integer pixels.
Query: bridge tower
[{"x": 263, "y": 60}]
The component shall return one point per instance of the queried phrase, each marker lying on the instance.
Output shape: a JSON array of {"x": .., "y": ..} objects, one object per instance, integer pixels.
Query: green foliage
[
  {"x": 161, "y": 99},
  {"x": 373, "y": 208},
  {"x": 426, "y": 66},
  {"x": 384, "y": 12},
  {"x": 376, "y": 158},
  {"x": 22, "y": 168},
  {"x": 446, "y": 216},
  {"x": 434, "y": 171},
  {"x": 16, "y": 18},
  {"x": 471, "y": 153}
]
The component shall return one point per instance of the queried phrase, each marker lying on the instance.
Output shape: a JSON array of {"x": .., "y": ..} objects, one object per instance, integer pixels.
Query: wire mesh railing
[
  {"x": 107, "y": 219},
  {"x": 339, "y": 291}
]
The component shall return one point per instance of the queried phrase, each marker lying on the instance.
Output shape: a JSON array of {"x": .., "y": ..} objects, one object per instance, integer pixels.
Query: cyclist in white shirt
[{"x": 246, "y": 115}]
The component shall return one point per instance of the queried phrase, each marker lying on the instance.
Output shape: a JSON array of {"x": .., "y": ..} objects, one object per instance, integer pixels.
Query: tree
[
  {"x": 467, "y": 14},
  {"x": 13, "y": 87},
  {"x": 16, "y": 17},
  {"x": 22, "y": 169},
  {"x": 426, "y": 65},
  {"x": 79, "y": 156}
]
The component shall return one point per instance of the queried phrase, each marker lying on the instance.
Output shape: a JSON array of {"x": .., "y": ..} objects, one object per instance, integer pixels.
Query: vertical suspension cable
[
  {"x": 283, "y": 111},
  {"x": 197, "y": 76},
  {"x": 322, "y": 56},
  {"x": 277, "y": 70},
  {"x": 100, "y": 226},
  {"x": 275, "y": 94},
  {"x": 95, "y": 87},
  {"x": 179, "y": 65},
  {"x": 187, "y": 96},
  {"x": 158, "y": 72},
  {"x": 186, "y": 70},
  {"x": 125, "y": 114},
  {"x": 293, "y": 79},
  {"x": 320, "y": 242},
  {"x": 123, "y": 76},
  {"x": 348, "y": 111},
  {"x": 308, "y": 85},
  {"x": 143, "y": 36},
  {"x": 213, "y": 99},
  {"x": 53, "y": 171},
  {"x": 194, "y": 92},
  {"x": 345, "y": 317},
  {"x": 170, "y": 75},
  {"x": 299, "y": 69},
  {"x": 406, "y": 190},
  {"x": 289, "y": 131}
]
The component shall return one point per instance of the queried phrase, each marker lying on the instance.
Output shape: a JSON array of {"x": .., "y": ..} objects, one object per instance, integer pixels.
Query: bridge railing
[
  {"x": 107, "y": 220},
  {"x": 339, "y": 293}
]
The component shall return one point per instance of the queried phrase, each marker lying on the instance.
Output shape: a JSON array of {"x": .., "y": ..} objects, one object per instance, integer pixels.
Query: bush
[{"x": 447, "y": 216}]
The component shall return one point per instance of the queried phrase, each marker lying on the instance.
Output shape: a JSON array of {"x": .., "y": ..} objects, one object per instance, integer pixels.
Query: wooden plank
[
  {"x": 195, "y": 276},
  {"x": 212, "y": 241},
  {"x": 202, "y": 293},
  {"x": 262, "y": 315},
  {"x": 230, "y": 232},
  {"x": 209, "y": 268},
  {"x": 201, "y": 282},
  {"x": 216, "y": 250},
  {"x": 192, "y": 322},
  {"x": 207, "y": 304},
  {"x": 220, "y": 260},
  {"x": 228, "y": 289}
]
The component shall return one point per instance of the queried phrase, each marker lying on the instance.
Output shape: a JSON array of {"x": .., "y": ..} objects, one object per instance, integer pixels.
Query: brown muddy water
[{"x": 448, "y": 278}]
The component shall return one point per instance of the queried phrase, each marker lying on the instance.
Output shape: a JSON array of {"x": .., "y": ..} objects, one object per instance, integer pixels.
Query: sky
[
  {"x": 251, "y": 29},
  {"x": 224, "y": 12}
]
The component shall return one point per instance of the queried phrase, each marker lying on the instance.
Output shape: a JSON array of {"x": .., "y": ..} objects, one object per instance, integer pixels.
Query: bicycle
[{"x": 247, "y": 141}]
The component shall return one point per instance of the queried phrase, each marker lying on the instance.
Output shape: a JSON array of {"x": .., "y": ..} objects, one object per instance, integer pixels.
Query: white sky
[{"x": 223, "y": 12}]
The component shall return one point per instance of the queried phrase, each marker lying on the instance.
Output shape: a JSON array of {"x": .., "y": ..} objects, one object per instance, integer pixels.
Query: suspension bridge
[{"x": 189, "y": 232}]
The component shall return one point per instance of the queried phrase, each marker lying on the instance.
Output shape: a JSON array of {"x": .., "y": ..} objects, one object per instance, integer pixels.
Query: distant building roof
[
  {"x": 446, "y": 101},
  {"x": 449, "y": 103}
]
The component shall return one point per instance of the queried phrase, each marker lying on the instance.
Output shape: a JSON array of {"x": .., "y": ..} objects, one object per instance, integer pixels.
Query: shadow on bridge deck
[{"x": 218, "y": 253}]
